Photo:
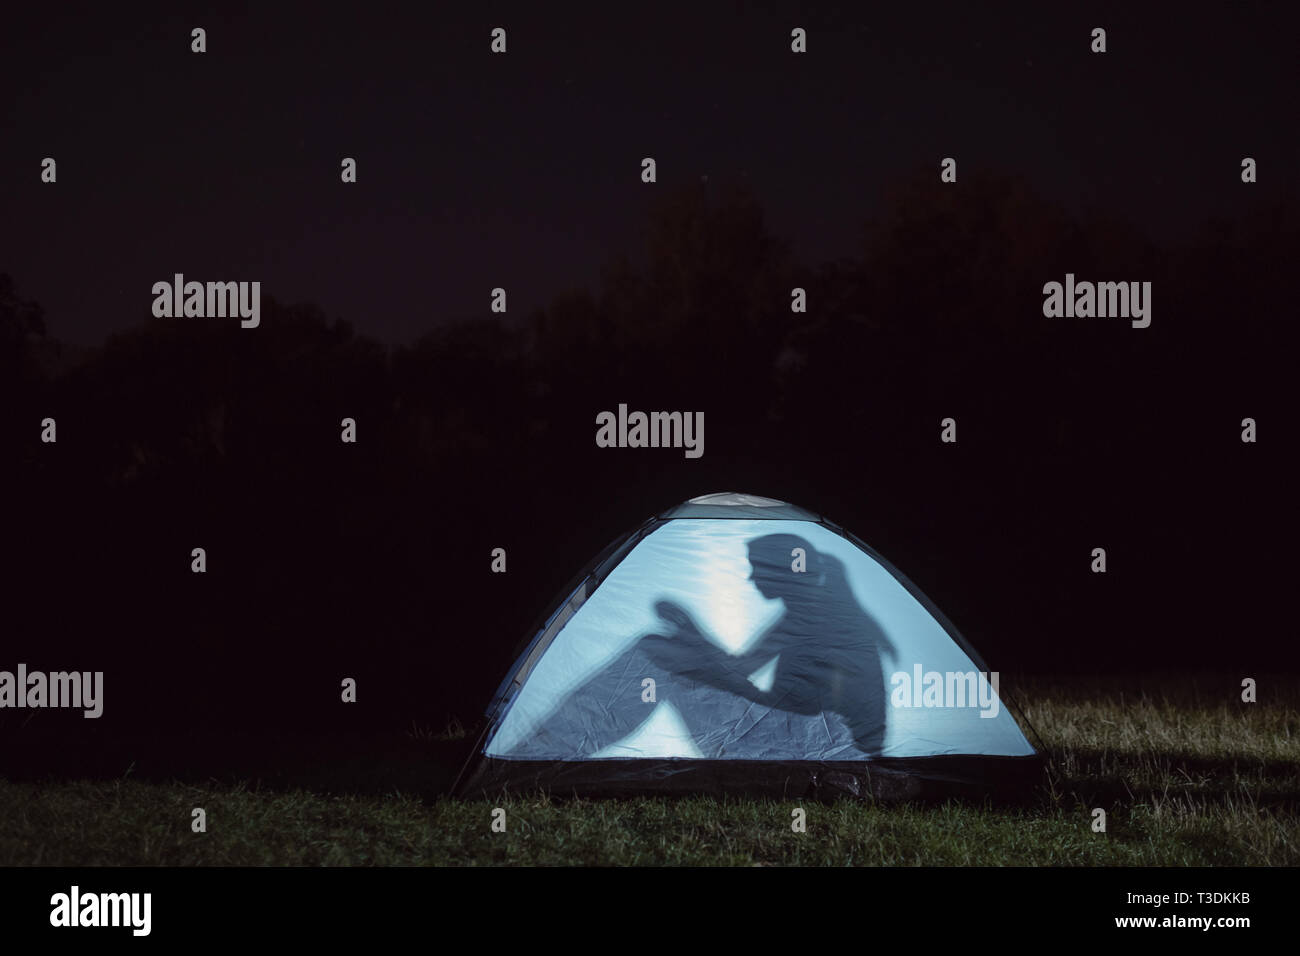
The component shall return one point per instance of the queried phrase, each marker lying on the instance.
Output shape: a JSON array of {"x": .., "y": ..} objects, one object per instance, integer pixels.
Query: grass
[{"x": 1186, "y": 773}]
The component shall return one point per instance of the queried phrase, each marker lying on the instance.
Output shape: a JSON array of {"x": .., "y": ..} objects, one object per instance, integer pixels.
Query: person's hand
[
  {"x": 677, "y": 616},
  {"x": 667, "y": 650}
]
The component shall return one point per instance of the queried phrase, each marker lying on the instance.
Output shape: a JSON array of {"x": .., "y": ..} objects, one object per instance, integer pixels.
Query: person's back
[{"x": 830, "y": 648}]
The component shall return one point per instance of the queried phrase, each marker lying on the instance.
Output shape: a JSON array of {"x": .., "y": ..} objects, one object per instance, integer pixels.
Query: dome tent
[{"x": 741, "y": 644}]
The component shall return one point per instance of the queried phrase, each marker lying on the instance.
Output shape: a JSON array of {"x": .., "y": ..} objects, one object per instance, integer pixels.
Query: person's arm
[{"x": 687, "y": 652}]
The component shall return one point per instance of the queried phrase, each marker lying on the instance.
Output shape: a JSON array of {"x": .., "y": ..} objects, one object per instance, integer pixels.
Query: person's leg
[
  {"x": 868, "y": 715},
  {"x": 601, "y": 711}
]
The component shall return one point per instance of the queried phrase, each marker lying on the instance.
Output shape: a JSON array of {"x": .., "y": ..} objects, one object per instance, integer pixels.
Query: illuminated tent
[{"x": 741, "y": 644}]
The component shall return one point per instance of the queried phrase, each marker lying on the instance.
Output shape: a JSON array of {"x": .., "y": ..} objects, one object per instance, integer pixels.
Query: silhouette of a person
[
  {"x": 828, "y": 660},
  {"x": 827, "y": 647}
]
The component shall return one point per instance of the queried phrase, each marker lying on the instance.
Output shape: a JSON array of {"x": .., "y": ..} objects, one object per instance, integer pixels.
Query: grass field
[{"x": 1187, "y": 775}]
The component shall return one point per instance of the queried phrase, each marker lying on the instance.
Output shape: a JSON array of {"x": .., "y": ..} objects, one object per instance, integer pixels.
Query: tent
[{"x": 740, "y": 644}]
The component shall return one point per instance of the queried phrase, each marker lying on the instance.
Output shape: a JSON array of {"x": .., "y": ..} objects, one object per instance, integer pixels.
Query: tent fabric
[
  {"x": 733, "y": 505},
  {"x": 739, "y": 643}
]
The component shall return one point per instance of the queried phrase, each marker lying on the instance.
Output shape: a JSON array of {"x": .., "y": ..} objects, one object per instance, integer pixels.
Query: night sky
[{"x": 523, "y": 170}]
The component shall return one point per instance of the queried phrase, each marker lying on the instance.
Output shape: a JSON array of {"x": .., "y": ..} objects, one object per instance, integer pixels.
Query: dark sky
[{"x": 522, "y": 170}]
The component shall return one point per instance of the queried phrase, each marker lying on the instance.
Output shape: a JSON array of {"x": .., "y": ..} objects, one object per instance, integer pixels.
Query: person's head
[{"x": 788, "y": 567}]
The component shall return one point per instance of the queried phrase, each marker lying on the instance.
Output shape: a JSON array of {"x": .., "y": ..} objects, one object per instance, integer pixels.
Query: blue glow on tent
[{"x": 750, "y": 657}]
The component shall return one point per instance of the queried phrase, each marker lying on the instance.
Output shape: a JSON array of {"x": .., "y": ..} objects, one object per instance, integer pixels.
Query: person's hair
[{"x": 823, "y": 570}]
